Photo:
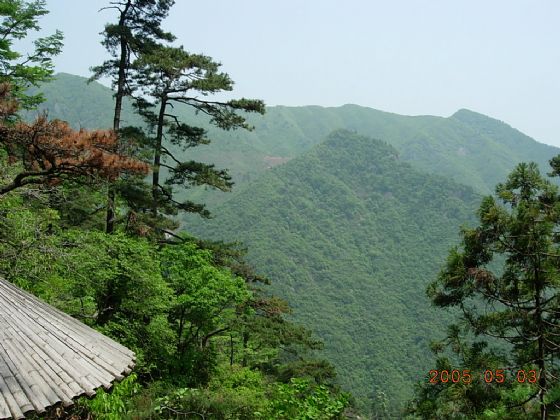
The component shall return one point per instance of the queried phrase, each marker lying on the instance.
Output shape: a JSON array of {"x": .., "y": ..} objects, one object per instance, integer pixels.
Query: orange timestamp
[{"x": 489, "y": 376}]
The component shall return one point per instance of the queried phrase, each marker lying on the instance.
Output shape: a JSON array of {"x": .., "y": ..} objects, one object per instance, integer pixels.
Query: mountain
[
  {"x": 84, "y": 105},
  {"x": 350, "y": 235},
  {"x": 468, "y": 147},
  {"x": 350, "y": 229}
]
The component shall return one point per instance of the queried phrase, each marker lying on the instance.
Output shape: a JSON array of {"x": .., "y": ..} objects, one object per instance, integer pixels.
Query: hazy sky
[{"x": 499, "y": 57}]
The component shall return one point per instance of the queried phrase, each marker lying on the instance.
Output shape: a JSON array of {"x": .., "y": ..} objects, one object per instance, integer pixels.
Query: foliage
[
  {"x": 183, "y": 316},
  {"x": 300, "y": 400},
  {"x": 159, "y": 77},
  {"x": 27, "y": 251},
  {"x": 138, "y": 30},
  {"x": 468, "y": 147},
  {"x": 205, "y": 306},
  {"x": 19, "y": 17},
  {"x": 380, "y": 406},
  {"x": 164, "y": 77},
  {"x": 240, "y": 393},
  {"x": 475, "y": 149},
  {"x": 189, "y": 320},
  {"x": 187, "y": 308},
  {"x": 49, "y": 151},
  {"x": 350, "y": 236},
  {"x": 112, "y": 282},
  {"x": 233, "y": 393},
  {"x": 113, "y": 405},
  {"x": 505, "y": 280},
  {"x": 347, "y": 232}
]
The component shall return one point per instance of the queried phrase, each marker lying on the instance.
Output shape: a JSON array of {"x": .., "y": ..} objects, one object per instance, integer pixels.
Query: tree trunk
[
  {"x": 245, "y": 345},
  {"x": 157, "y": 156},
  {"x": 540, "y": 340},
  {"x": 231, "y": 350},
  {"x": 123, "y": 62},
  {"x": 180, "y": 332}
]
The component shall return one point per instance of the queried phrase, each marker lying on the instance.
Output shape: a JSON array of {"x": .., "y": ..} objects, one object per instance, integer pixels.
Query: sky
[{"x": 414, "y": 57}]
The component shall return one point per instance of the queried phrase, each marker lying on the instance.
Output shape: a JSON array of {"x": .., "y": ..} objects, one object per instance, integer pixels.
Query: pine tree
[
  {"x": 137, "y": 31},
  {"x": 50, "y": 151},
  {"x": 506, "y": 281},
  {"x": 170, "y": 76}
]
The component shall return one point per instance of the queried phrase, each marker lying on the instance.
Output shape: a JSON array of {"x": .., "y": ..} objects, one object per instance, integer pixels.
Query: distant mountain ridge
[{"x": 469, "y": 147}]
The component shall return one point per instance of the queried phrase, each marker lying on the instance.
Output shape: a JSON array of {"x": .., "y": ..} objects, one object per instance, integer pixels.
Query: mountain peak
[
  {"x": 467, "y": 115},
  {"x": 480, "y": 121}
]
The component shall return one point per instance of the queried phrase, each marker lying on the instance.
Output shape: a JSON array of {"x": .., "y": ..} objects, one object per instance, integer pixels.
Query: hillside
[
  {"x": 351, "y": 229},
  {"x": 351, "y": 235},
  {"x": 469, "y": 147},
  {"x": 84, "y": 105}
]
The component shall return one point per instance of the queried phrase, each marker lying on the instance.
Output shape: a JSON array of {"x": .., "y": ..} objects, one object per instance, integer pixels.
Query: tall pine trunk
[
  {"x": 123, "y": 60},
  {"x": 157, "y": 156}
]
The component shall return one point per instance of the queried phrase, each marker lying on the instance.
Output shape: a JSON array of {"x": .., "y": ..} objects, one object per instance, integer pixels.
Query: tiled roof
[{"x": 48, "y": 357}]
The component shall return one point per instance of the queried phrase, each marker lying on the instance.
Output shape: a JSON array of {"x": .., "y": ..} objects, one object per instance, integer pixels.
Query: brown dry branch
[{"x": 50, "y": 151}]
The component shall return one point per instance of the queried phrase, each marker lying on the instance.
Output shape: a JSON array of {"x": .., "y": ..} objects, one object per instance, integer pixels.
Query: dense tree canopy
[
  {"x": 505, "y": 280},
  {"x": 349, "y": 233}
]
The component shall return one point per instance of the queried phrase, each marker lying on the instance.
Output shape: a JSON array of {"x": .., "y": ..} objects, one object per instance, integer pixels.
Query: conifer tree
[
  {"x": 50, "y": 151},
  {"x": 506, "y": 281},
  {"x": 137, "y": 30},
  {"x": 170, "y": 76}
]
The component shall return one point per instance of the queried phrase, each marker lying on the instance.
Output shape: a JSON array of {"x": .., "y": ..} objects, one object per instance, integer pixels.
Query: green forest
[{"x": 274, "y": 262}]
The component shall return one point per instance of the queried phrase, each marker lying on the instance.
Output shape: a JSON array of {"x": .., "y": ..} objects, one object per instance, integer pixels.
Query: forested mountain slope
[
  {"x": 350, "y": 230},
  {"x": 469, "y": 147},
  {"x": 351, "y": 235},
  {"x": 84, "y": 105}
]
